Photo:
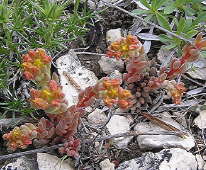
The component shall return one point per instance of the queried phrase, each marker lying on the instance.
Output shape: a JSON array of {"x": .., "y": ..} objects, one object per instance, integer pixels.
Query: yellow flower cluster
[
  {"x": 36, "y": 66},
  {"x": 20, "y": 137},
  {"x": 111, "y": 93},
  {"x": 125, "y": 48},
  {"x": 50, "y": 98}
]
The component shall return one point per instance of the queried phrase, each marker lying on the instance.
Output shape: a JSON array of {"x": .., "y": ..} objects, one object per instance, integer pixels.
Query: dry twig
[
  {"x": 44, "y": 149},
  {"x": 71, "y": 80},
  {"x": 147, "y": 22}
]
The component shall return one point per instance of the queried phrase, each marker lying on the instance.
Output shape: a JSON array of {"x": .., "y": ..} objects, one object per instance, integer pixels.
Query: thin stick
[
  {"x": 71, "y": 80},
  {"x": 186, "y": 77},
  {"x": 44, "y": 149},
  {"x": 135, "y": 133},
  {"x": 157, "y": 104},
  {"x": 102, "y": 128},
  {"x": 89, "y": 53},
  {"x": 163, "y": 124},
  {"x": 147, "y": 22},
  {"x": 15, "y": 155}
]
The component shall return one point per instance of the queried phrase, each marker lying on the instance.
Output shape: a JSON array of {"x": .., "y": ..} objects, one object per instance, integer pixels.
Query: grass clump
[{"x": 31, "y": 24}]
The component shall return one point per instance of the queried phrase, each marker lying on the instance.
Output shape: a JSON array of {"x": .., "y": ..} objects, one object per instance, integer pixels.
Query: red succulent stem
[
  {"x": 173, "y": 71},
  {"x": 82, "y": 103}
]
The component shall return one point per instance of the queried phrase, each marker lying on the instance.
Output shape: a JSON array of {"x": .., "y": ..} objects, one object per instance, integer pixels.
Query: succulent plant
[
  {"x": 190, "y": 53},
  {"x": 71, "y": 147},
  {"x": 141, "y": 80},
  {"x": 50, "y": 98},
  {"x": 125, "y": 48},
  {"x": 20, "y": 137},
  {"x": 139, "y": 77},
  {"x": 175, "y": 90},
  {"x": 36, "y": 65}
]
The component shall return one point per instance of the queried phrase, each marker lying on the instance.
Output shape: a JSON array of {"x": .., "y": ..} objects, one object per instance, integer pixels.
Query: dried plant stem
[
  {"x": 135, "y": 133},
  {"x": 89, "y": 53},
  {"x": 15, "y": 155},
  {"x": 163, "y": 124},
  {"x": 44, "y": 149},
  {"x": 196, "y": 82},
  {"x": 71, "y": 80},
  {"x": 156, "y": 106},
  {"x": 147, "y": 22},
  {"x": 102, "y": 128}
]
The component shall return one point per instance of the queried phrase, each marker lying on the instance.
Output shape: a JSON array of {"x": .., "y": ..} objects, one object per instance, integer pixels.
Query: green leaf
[
  {"x": 165, "y": 38},
  {"x": 197, "y": 1},
  {"x": 180, "y": 26},
  {"x": 163, "y": 21},
  {"x": 145, "y": 3},
  {"x": 149, "y": 17},
  {"x": 159, "y": 3},
  {"x": 191, "y": 33},
  {"x": 140, "y": 11},
  {"x": 180, "y": 3},
  {"x": 201, "y": 17},
  {"x": 169, "y": 47},
  {"x": 153, "y": 4},
  {"x": 170, "y": 8},
  {"x": 203, "y": 54},
  {"x": 189, "y": 11},
  {"x": 189, "y": 25},
  {"x": 4, "y": 13}
]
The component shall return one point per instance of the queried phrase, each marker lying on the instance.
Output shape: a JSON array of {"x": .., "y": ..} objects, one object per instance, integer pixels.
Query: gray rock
[
  {"x": 109, "y": 65},
  {"x": 106, "y": 165},
  {"x": 71, "y": 65},
  {"x": 167, "y": 159},
  {"x": 200, "y": 120},
  {"x": 200, "y": 162},
  {"x": 21, "y": 163},
  {"x": 200, "y": 69},
  {"x": 148, "y": 36},
  {"x": 162, "y": 141},
  {"x": 119, "y": 124},
  {"x": 97, "y": 5},
  {"x": 51, "y": 162},
  {"x": 116, "y": 75},
  {"x": 97, "y": 117},
  {"x": 12, "y": 122},
  {"x": 113, "y": 35}
]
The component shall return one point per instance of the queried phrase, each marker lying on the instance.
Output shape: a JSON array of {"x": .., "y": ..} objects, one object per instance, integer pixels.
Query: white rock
[
  {"x": 119, "y": 124},
  {"x": 116, "y": 75},
  {"x": 162, "y": 141},
  {"x": 109, "y": 65},
  {"x": 200, "y": 161},
  {"x": 180, "y": 119},
  {"x": 141, "y": 5},
  {"x": 113, "y": 35},
  {"x": 70, "y": 64},
  {"x": 165, "y": 56},
  {"x": 107, "y": 165},
  {"x": 11, "y": 122},
  {"x": 148, "y": 36},
  {"x": 97, "y": 5},
  {"x": 167, "y": 159},
  {"x": 21, "y": 163},
  {"x": 200, "y": 69},
  {"x": 146, "y": 46},
  {"x": 200, "y": 120},
  {"x": 203, "y": 2},
  {"x": 181, "y": 160},
  {"x": 97, "y": 117},
  {"x": 51, "y": 162}
]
